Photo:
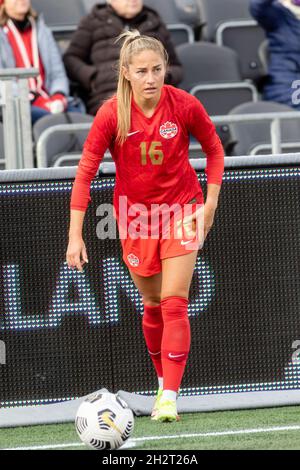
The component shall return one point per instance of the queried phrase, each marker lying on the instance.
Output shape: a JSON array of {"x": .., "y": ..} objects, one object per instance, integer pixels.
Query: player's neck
[{"x": 147, "y": 106}]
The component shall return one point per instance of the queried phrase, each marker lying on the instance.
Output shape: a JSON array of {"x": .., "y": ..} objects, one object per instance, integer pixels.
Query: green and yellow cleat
[
  {"x": 166, "y": 412},
  {"x": 156, "y": 404}
]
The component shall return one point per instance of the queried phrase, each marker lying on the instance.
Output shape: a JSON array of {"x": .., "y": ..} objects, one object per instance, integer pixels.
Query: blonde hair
[
  {"x": 4, "y": 16},
  {"x": 134, "y": 43}
]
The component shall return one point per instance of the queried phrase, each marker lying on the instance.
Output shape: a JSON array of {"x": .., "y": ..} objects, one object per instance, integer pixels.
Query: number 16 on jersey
[{"x": 154, "y": 151}]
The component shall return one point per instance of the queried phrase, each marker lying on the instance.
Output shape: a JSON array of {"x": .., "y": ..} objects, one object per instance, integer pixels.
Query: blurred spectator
[
  {"x": 92, "y": 56},
  {"x": 25, "y": 41},
  {"x": 281, "y": 21}
]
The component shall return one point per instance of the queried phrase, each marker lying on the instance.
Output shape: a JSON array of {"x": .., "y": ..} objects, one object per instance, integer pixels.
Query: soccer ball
[{"x": 104, "y": 421}]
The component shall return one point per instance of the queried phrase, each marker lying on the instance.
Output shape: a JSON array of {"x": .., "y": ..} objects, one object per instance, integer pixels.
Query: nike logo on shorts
[
  {"x": 186, "y": 243},
  {"x": 132, "y": 133},
  {"x": 173, "y": 356}
]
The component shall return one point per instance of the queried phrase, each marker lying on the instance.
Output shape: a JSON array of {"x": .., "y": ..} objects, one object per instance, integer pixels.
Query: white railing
[{"x": 16, "y": 117}]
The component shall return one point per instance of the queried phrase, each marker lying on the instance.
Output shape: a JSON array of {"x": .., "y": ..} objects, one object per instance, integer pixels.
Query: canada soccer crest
[
  {"x": 133, "y": 260},
  {"x": 168, "y": 130}
]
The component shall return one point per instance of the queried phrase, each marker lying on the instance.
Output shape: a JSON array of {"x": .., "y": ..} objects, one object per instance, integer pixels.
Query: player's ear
[{"x": 125, "y": 72}]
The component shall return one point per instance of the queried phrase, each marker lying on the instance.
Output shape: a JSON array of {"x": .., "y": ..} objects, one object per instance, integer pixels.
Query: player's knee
[
  {"x": 151, "y": 300},
  {"x": 175, "y": 293}
]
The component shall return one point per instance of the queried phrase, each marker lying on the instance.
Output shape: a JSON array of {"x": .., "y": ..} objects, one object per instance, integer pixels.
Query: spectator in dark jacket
[
  {"x": 92, "y": 56},
  {"x": 281, "y": 21}
]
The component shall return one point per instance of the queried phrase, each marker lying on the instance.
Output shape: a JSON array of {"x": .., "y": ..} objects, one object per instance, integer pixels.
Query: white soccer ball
[{"x": 104, "y": 421}]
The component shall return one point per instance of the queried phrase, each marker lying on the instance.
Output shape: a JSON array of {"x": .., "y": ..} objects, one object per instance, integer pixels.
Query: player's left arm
[
  {"x": 210, "y": 206},
  {"x": 201, "y": 126}
]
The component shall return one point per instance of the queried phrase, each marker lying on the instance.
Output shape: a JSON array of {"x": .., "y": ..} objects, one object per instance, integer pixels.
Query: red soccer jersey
[{"x": 152, "y": 165}]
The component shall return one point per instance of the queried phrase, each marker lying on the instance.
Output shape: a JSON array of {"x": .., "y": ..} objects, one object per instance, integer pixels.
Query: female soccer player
[{"x": 146, "y": 126}]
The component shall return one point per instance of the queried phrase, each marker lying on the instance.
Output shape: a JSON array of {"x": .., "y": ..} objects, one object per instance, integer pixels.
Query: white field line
[{"x": 134, "y": 441}]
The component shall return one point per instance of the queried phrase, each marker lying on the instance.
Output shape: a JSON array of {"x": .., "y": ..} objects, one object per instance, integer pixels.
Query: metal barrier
[
  {"x": 293, "y": 147},
  {"x": 274, "y": 118},
  {"x": 16, "y": 117}
]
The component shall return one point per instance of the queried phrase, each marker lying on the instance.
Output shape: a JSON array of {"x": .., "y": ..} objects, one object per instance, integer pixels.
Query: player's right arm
[{"x": 97, "y": 142}]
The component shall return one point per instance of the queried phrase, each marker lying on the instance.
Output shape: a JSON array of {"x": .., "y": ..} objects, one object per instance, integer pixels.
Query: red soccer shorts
[{"x": 176, "y": 236}]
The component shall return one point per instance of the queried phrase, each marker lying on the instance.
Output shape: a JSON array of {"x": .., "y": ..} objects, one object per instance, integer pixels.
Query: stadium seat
[
  {"x": 211, "y": 73},
  {"x": 204, "y": 62},
  {"x": 176, "y": 11},
  {"x": 65, "y": 143},
  {"x": 89, "y": 4},
  {"x": 58, "y": 13},
  {"x": 214, "y": 12},
  {"x": 244, "y": 37},
  {"x": 248, "y": 135},
  {"x": 180, "y": 16},
  {"x": 62, "y": 17},
  {"x": 219, "y": 99},
  {"x": 181, "y": 34}
]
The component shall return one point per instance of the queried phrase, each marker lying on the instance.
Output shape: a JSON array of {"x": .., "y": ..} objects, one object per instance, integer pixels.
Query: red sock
[
  {"x": 153, "y": 331},
  {"x": 176, "y": 340}
]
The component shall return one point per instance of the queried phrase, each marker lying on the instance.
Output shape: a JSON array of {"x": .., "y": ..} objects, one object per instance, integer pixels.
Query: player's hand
[
  {"x": 191, "y": 227},
  {"x": 76, "y": 255}
]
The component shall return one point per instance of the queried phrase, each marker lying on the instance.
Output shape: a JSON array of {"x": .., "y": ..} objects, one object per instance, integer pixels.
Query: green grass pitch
[{"x": 270, "y": 428}]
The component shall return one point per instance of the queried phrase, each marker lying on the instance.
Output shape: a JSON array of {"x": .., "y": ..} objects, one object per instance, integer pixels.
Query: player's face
[
  {"x": 17, "y": 9},
  {"x": 127, "y": 8},
  {"x": 146, "y": 74}
]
